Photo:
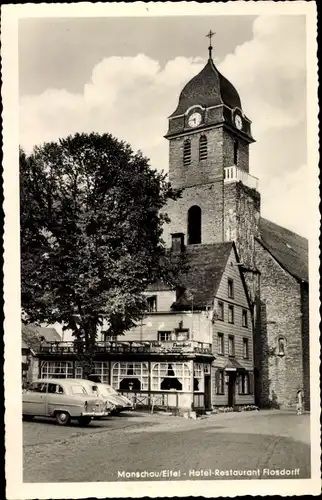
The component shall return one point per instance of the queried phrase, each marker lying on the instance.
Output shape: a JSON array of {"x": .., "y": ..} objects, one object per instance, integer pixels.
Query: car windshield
[
  {"x": 78, "y": 389},
  {"x": 108, "y": 390}
]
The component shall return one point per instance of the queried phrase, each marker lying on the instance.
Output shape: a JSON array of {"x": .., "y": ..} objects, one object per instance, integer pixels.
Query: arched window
[
  {"x": 281, "y": 346},
  {"x": 130, "y": 376},
  {"x": 194, "y": 225},
  {"x": 186, "y": 152},
  {"x": 203, "y": 148},
  {"x": 169, "y": 376},
  {"x": 235, "y": 152}
]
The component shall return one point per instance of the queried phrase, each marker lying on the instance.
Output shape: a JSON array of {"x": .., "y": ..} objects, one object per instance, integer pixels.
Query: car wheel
[
  {"x": 62, "y": 417},
  {"x": 27, "y": 418},
  {"x": 84, "y": 420}
]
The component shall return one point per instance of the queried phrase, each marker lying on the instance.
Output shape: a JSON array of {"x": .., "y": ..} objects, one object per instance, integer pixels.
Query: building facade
[{"x": 194, "y": 348}]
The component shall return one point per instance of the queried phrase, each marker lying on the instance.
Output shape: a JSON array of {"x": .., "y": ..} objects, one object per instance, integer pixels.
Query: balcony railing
[
  {"x": 235, "y": 174},
  {"x": 129, "y": 347}
]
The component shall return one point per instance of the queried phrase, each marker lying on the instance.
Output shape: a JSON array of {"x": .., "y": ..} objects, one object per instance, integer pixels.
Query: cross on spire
[{"x": 210, "y": 35}]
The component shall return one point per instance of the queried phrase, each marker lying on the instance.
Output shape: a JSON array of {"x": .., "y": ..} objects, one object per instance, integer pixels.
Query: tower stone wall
[
  {"x": 241, "y": 219},
  {"x": 281, "y": 374},
  {"x": 198, "y": 171}
]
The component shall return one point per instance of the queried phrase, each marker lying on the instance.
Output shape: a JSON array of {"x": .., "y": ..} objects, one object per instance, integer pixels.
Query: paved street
[{"x": 193, "y": 449}]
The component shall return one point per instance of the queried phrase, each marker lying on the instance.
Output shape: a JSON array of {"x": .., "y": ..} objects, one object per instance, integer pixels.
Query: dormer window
[
  {"x": 151, "y": 303},
  {"x": 186, "y": 152},
  {"x": 203, "y": 148}
]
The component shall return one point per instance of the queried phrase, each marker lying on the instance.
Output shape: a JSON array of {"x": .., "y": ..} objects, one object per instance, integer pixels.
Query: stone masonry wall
[
  {"x": 241, "y": 218},
  {"x": 198, "y": 172},
  {"x": 228, "y": 152},
  {"x": 280, "y": 316},
  {"x": 306, "y": 345},
  {"x": 209, "y": 198}
]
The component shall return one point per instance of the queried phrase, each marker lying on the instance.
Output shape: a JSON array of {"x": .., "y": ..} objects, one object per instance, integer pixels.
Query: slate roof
[
  {"x": 206, "y": 264},
  {"x": 31, "y": 336},
  {"x": 288, "y": 248},
  {"x": 208, "y": 88}
]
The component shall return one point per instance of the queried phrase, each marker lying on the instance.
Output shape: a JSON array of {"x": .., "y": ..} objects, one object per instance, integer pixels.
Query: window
[
  {"x": 235, "y": 152},
  {"x": 186, "y": 152},
  {"x": 169, "y": 376},
  {"x": 182, "y": 334},
  {"x": 203, "y": 148},
  {"x": 231, "y": 345},
  {"x": 78, "y": 389},
  {"x": 230, "y": 314},
  {"x": 220, "y": 311},
  {"x": 230, "y": 288},
  {"x": 151, "y": 303},
  {"x": 220, "y": 382},
  {"x": 78, "y": 371},
  {"x": 102, "y": 370},
  {"x": 281, "y": 346},
  {"x": 198, "y": 374},
  {"x": 56, "y": 369},
  {"x": 206, "y": 369},
  {"x": 220, "y": 343},
  {"x": 245, "y": 318},
  {"x": 164, "y": 336},
  {"x": 37, "y": 387},
  {"x": 55, "y": 389},
  {"x": 245, "y": 349},
  {"x": 130, "y": 376},
  {"x": 244, "y": 383},
  {"x": 194, "y": 225}
]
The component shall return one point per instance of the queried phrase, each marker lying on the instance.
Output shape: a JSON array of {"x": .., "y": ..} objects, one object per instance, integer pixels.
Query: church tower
[{"x": 209, "y": 137}]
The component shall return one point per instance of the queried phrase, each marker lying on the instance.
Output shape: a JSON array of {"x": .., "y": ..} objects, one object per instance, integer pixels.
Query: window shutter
[
  {"x": 217, "y": 381},
  {"x": 251, "y": 382},
  {"x": 203, "y": 148},
  {"x": 240, "y": 384},
  {"x": 186, "y": 152}
]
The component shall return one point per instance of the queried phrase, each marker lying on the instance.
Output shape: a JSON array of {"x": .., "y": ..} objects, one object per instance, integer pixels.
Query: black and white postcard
[{"x": 161, "y": 249}]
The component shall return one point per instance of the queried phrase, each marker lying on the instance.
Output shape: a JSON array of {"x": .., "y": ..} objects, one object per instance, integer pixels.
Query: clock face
[
  {"x": 238, "y": 122},
  {"x": 194, "y": 119}
]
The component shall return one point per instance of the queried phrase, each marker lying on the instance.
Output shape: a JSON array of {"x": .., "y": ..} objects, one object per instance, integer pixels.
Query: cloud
[
  {"x": 289, "y": 207},
  {"x": 131, "y": 98}
]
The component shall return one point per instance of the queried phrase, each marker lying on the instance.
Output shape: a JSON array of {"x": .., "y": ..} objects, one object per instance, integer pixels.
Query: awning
[{"x": 233, "y": 366}]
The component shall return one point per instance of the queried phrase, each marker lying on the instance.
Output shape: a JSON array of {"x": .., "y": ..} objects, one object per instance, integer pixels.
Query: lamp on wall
[{"x": 226, "y": 378}]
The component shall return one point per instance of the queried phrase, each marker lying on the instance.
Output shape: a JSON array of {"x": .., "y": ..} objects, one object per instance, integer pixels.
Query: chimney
[{"x": 177, "y": 245}]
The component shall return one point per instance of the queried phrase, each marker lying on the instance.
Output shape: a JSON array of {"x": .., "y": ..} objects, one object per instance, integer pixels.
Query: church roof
[
  {"x": 31, "y": 336},
  {"x": 206, "y": 264},
  {"x": 208, "y": 88},
  {"x": 288, "y": 248}
]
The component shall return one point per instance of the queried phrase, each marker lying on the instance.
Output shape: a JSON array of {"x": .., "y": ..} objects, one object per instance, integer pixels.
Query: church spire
[{"x": 210, "y": 35}]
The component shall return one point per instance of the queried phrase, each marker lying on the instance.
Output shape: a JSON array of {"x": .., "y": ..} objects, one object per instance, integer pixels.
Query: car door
[
  {"x": 34, "y": 399},
  {"x": 55, "y": 397}
]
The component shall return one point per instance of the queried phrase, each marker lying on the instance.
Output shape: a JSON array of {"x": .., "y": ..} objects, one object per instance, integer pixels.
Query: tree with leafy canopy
[{"x": 91, "y": 236}]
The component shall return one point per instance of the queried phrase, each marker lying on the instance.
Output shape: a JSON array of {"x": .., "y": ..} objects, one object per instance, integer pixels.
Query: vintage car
[
  {"x": 63, "y": 399},
  {"x": 112, "y": 404},
  {"x": 108, "y": 394},
  {"x": 123, "y": 402}
]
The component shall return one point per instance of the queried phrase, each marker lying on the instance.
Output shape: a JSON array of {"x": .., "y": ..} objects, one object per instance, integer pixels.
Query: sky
[{"x": 124, "y": 76}]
